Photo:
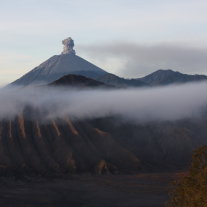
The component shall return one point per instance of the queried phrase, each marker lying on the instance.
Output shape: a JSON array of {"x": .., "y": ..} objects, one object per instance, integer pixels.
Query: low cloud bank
[
  {"x": 137, "y": 60},
  {"x": 137, "y": 104}
]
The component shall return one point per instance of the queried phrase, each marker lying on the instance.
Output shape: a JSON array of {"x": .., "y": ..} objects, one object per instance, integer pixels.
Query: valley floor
[{"x": 140, "y": 190}]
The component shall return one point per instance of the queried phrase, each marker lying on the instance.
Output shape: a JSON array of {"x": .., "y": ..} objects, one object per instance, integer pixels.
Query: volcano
[{"x": 60, "y": 65}]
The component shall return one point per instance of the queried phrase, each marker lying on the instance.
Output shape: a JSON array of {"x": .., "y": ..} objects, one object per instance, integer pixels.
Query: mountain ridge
[
  {"x": 60, "y": 65},
  {"x": 78, "y": 81},
  {"x": 69, "y": 63},
  {"x": 168, "y": 76}
]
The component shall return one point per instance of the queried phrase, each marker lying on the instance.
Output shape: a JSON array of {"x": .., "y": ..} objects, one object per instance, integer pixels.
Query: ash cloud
[
  {"x": 137, "y": 104},
  {"x": 139, "y": 60},
  {"x": 68, "y": 46}
]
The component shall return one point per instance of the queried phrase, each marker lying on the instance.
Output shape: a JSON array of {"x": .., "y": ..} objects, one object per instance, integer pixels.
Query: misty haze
[
  {"x": 103, "y": 103},
  {"x": 169, "y": 103}
]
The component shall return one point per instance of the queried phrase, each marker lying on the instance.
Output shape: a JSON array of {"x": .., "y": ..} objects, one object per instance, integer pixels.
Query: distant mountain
[
  {"x": 115, "y": 80},
  {"x": 77, "y": 81},
  {"x": 166, "y": 77},
  {"x": 157, "y": 78}
]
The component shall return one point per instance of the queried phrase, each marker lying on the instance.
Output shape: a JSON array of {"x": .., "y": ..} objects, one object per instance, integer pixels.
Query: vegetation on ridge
[{"x": 191, "y": 190}]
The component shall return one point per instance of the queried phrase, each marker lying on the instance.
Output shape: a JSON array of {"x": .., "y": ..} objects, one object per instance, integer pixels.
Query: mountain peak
[
  {"x": 165, "y": 71},
  {"x": 68, "y": 46},
  {"x": 60, "y": 65},
  {"x": 168, "y": 76}
]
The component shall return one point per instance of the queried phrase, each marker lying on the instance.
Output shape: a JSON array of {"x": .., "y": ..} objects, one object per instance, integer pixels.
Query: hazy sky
[{"x": 128, "y": 37}]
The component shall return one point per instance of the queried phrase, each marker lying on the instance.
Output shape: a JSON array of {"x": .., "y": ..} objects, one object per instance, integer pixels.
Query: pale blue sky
[{"x": 31, "y": 31}]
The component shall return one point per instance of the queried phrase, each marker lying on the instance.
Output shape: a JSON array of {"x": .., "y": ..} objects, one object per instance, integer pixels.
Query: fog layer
[
  {"x": 136, "y": 60},
  {"x": 136, "y": 104}
]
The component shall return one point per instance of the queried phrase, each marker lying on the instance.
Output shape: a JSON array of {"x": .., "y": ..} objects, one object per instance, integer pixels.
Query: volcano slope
[
  {"x": 31, "y": 145},
  {"x": 60, "y": 146},
  {"x": 160, "y": 146}
]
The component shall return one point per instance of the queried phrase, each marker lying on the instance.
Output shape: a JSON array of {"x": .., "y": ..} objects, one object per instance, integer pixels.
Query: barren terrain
[{"x": 140, "y": 190}]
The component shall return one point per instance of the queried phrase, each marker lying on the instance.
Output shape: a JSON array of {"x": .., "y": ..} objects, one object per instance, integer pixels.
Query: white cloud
[{"x": 138, "y": 104}]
